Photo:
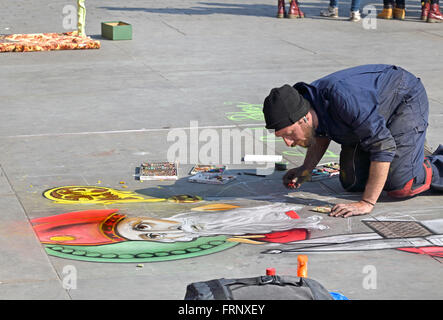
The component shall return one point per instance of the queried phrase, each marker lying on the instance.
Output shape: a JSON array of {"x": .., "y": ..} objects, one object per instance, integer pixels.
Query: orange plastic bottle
[{"x": 302, "y": 270}]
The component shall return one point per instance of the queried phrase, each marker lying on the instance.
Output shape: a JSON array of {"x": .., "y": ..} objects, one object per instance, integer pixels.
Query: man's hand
[
  {"x": 378, "y": 173},
  {"x": 295, "y": 177},
  {"x": 351, "y": 209}
]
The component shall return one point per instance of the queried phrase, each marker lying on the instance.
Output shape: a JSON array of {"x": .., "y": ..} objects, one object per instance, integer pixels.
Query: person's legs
[
  {"x": 295, "y": 11},
  {"x": 281, "y": 12},
  {"x": 425, "y": 8},
  {"x": 399, "y": 11},
  {"x": 355, "y": 11},
  {"x": 331, "y": 11},
  {"x": 407, "y": 171},
  {"x": 355, "y": 5},
  {"x": 387, "y": 10},
  {"x": 400, "y": 4},
  {"x": 410, "y": 173},
  {"x": 434, "y": 13}
]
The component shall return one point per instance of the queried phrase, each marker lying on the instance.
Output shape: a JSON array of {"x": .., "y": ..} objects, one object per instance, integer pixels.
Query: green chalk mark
[{"x": 248, "y": 112}]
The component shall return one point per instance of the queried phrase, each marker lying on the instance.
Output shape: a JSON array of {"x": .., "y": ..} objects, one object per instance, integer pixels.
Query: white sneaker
[
  {"x": 331, "y": 12},
  {"x": 355, "y": 16}
]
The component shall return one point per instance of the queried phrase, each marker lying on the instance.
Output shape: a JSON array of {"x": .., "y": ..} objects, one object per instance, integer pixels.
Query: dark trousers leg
[
  {"x": 388, "y": 4},
  {"x": 407, "y": 165},
  {"x": 408, "y": 161},
  {"x": 408, "y": 128},
  {"x": 400, "y": 4},
  {"x": 354, "y": 168}
]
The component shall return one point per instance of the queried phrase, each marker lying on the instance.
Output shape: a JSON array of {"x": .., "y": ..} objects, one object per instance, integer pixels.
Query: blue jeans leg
[{"x": 355, "y": 5}]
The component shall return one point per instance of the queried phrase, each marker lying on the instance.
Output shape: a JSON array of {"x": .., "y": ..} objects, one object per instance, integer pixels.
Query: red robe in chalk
[{"x": 92, "y": 227}]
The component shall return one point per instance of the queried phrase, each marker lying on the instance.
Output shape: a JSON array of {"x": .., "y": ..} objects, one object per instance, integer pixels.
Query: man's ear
[{"x": 302, "y": 120}]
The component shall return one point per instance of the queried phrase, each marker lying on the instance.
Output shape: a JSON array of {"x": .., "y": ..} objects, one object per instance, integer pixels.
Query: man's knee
[{"x": 412, "y": 188}]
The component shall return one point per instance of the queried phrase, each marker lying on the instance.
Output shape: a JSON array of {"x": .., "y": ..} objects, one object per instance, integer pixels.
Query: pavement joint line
[
  {"x": 298, "y": 46},
  {"x": 146, "y": 65},
  {"x": 28, "y": 219},
  {"x": 128, "y": 131},
  {"x": 430, "y": 33},
  {"x": 172, "y": 27}
]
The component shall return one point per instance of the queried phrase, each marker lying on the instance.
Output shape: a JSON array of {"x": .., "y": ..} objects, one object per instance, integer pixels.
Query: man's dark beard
[{"x": 311, "y": 138}]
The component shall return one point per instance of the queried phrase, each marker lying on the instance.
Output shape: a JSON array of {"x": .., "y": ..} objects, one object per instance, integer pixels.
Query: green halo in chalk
[{"x": 141, "y": 251}]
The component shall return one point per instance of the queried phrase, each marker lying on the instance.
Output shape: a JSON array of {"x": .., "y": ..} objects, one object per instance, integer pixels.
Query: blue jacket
[{"x": 367, "y": 105}]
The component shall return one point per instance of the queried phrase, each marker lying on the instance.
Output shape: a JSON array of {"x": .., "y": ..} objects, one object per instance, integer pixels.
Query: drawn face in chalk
[
  {"x": 149, "y": 229},
  {"x": 191, "y": 225}
]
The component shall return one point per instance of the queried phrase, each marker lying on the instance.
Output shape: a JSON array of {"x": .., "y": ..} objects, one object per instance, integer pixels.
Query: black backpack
[{"x": 258, "y": 288}]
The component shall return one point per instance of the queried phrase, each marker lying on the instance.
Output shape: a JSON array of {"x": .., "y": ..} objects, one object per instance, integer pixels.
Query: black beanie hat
[{"x": 283, "y": 107}]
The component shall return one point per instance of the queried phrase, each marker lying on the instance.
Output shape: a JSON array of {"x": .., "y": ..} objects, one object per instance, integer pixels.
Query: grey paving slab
[
  {"x": 5, "y": 187},
  {"x": 25, "y": 268},
  {"x": 33, "y": 290},
  {"x": 90, "y": 117}
]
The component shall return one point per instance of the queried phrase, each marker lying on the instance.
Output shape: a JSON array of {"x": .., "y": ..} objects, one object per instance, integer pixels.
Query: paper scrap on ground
[
  {"x": 322, "y": 209},
  {"x": 211, "y": 178}
]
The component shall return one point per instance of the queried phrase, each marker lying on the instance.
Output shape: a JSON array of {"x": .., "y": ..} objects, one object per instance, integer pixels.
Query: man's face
[
  {"x": 299, "y": 134},
  {"x": 143, "y": 228}
]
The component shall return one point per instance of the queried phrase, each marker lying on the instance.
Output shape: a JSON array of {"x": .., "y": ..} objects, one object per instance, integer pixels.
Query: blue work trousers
[{"x": 408, "y": 127}]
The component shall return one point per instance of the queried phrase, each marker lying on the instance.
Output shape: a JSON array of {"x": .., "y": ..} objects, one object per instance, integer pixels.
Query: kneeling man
[{"x": 379, "y": 115}]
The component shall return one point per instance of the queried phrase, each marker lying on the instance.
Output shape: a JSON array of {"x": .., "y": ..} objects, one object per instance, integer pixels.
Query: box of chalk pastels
[
  {"x": 324, "y": 171},
  {"x": 158, "y": 171},
  {"x": 201, "y": 168}
]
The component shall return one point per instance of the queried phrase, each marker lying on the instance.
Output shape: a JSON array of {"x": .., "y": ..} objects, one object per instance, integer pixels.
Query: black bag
[{"x": 258, "y": 288}]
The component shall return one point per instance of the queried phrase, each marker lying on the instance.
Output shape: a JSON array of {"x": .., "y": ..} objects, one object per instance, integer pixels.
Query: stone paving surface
[{"x": 89, "y": 118}]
